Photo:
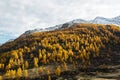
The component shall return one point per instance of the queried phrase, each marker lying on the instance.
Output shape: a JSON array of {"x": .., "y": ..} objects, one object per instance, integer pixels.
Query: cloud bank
[{"x": 17, "y": 16}]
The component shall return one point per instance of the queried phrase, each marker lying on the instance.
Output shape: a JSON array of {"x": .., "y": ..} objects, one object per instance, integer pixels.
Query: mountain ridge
[{"x": 97, "y": 20}]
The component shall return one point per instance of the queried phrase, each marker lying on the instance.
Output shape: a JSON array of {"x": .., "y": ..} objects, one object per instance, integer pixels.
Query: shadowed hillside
[{"x": 51, "y": 54}]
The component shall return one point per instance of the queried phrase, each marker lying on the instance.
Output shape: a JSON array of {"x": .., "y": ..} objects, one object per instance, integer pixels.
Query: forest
[{"x": 51, "y": 54}]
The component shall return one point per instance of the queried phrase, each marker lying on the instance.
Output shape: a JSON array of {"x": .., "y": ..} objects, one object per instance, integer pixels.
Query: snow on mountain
[
  {"x": 101, "y": 20},
  {"x": 97, "y": 20}
]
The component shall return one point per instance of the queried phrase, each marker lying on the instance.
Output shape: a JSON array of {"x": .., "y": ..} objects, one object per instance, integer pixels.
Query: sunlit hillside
[{"x": 81, "y": 48}]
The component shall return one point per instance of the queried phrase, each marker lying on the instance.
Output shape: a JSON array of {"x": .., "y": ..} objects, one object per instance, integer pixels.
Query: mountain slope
[{"x": 84, "y": 46}]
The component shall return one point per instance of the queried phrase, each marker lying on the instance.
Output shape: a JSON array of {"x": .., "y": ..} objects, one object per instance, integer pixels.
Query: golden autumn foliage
[
  {"x": 35, "y": 62},
  {"x": 2, "y": 79},
  {"x": 10, "y": 73},
  {"x": 80, "y": 44},
  {"x": 19, "y": 72},
  {"x": 65, "y": 66},
  {"x": 26, "y": 64},
  {"x": 58, "y": 71},
  {"x": 25, "y": 73},
  {"x": 49, "y": 77},
  {"x": 48, "y": 72},
  {"x": 40, "y": 69}
]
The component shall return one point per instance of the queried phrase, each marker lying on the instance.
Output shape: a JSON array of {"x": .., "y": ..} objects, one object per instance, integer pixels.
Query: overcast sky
[{"x": 17, "y": 16}]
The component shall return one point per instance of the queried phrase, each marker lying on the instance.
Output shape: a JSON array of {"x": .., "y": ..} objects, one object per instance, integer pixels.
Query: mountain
[
  {"x": 60, "y": 26},
  {"x": 66, "y": 52},
  {"x": 101, "y": 20},
  {"x": 97, "y": 20}
]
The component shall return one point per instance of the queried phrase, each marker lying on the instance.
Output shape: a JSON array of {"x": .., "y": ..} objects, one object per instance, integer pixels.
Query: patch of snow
[{"x": 97, "y": 20}]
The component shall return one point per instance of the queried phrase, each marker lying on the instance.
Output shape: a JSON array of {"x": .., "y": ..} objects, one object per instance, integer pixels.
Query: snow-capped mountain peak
[
  {"x": 118, "y": 17},
  {"x": 97, "y": 20},
  {"x": 101, "y": 20}
]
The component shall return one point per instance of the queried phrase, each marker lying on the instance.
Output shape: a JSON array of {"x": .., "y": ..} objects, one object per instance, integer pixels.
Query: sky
[{"x": 17, "y": 16}]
